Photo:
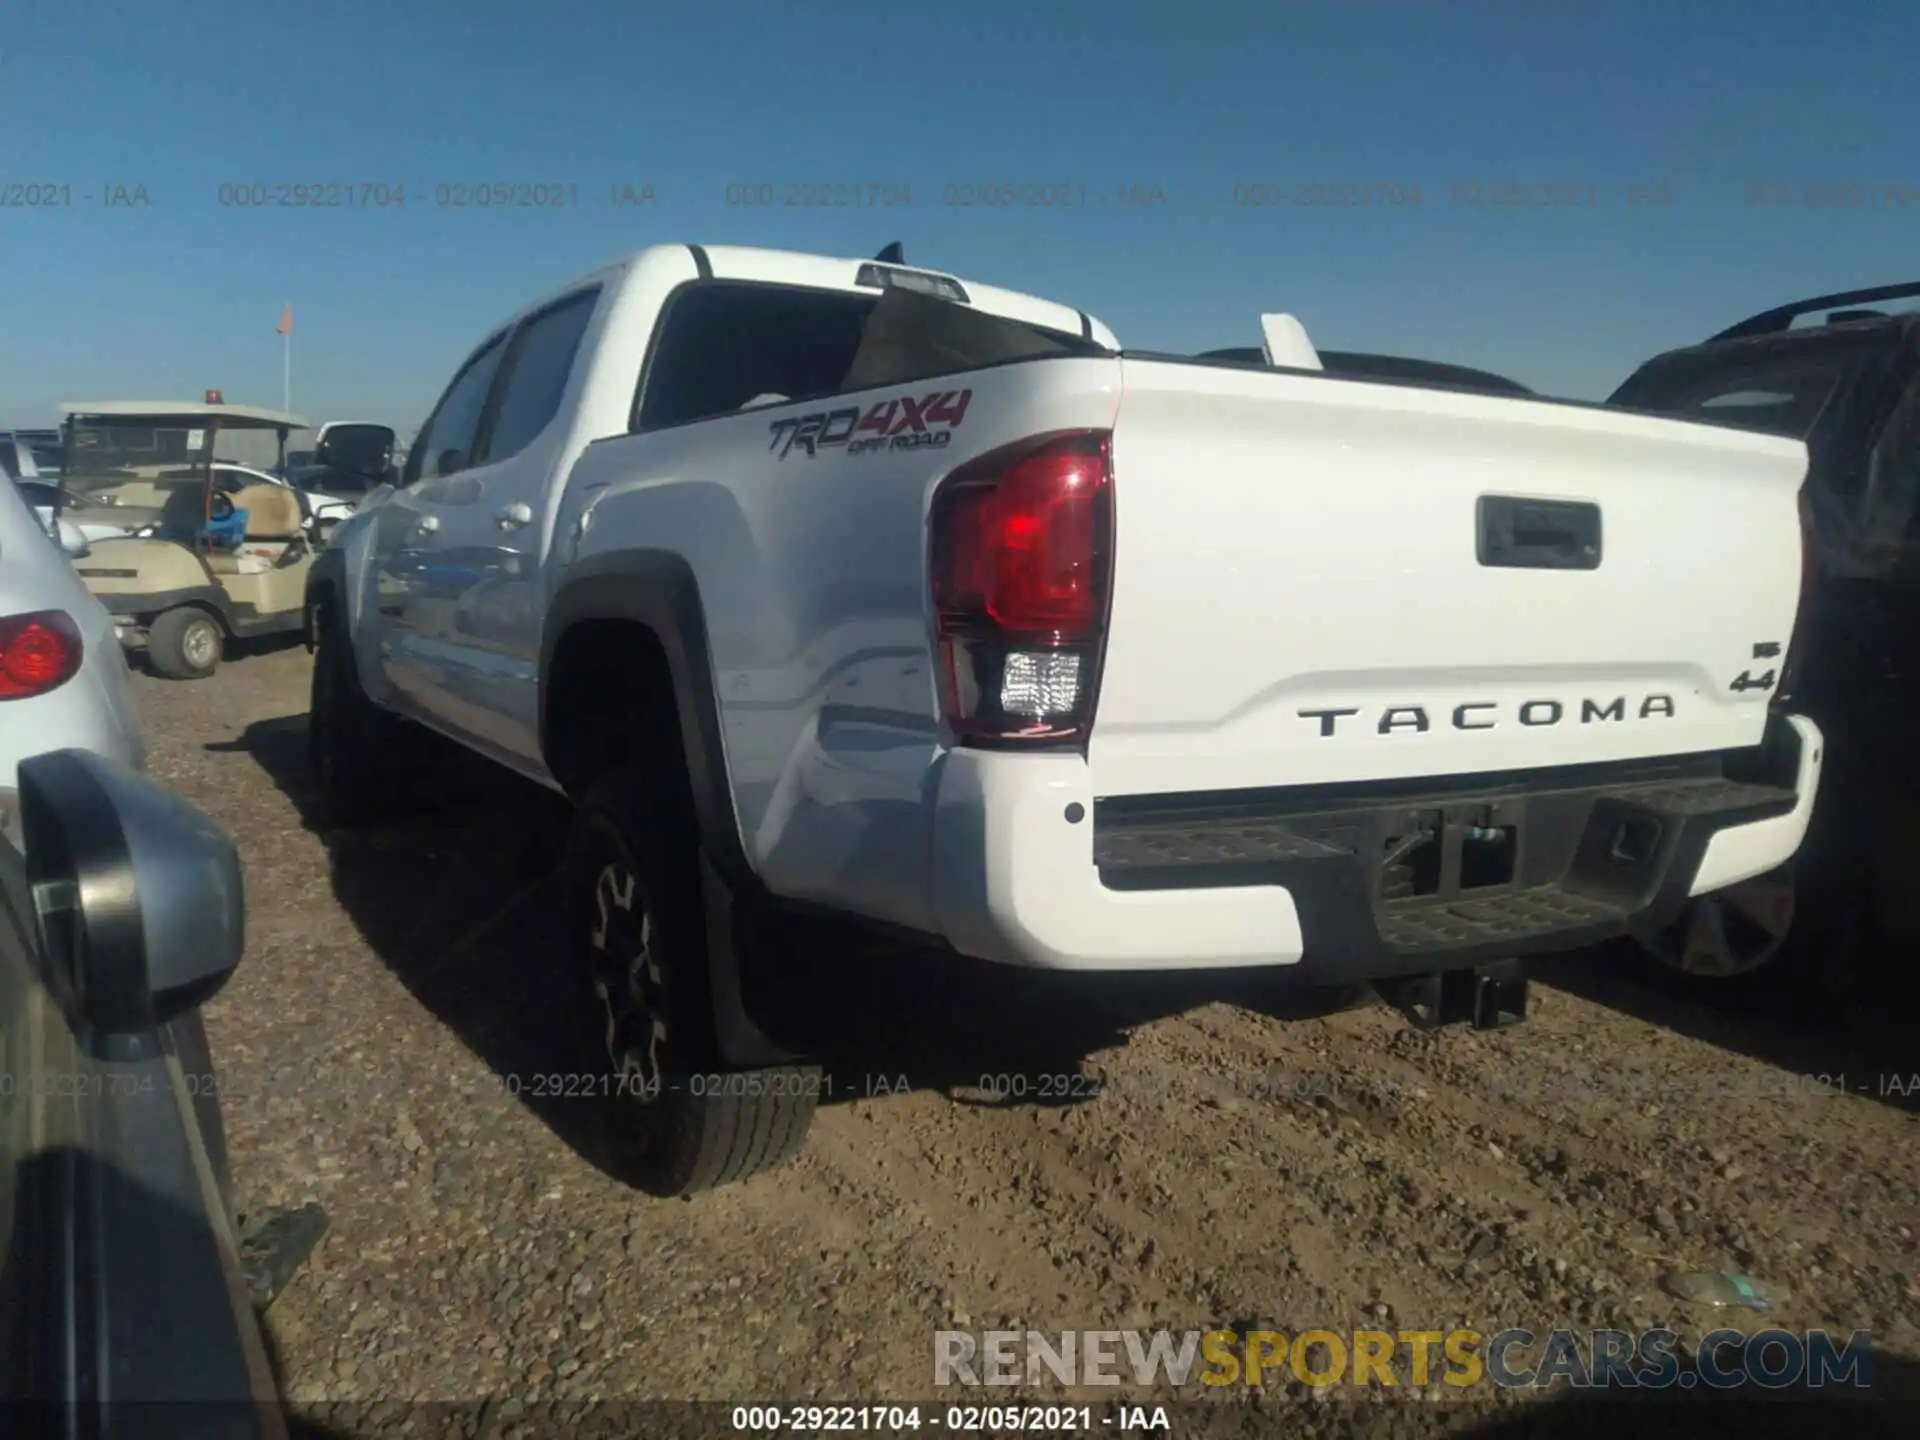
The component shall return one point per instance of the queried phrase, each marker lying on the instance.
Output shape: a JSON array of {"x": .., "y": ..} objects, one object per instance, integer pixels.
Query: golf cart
[{"x": 205, "y": 560}]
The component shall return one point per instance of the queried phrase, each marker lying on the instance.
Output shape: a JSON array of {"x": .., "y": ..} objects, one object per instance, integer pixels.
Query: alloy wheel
[{"x": 629, "y": 982}]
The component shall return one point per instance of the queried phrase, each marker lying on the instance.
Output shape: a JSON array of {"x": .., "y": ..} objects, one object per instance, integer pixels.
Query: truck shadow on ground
[
  {"x": 1867, "y": 1043},
  {"x": 460, "y": 901}
]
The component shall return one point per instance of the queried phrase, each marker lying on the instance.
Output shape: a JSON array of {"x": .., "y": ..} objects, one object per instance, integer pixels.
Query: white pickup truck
[{"x": 842, "y": 584}]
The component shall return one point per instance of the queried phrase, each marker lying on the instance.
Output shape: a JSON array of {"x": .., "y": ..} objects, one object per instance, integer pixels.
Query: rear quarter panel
[{"x": 812, "y": 575}]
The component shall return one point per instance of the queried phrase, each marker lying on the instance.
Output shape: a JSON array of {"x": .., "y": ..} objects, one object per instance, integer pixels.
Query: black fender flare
[{"x": 657, "y": 589}]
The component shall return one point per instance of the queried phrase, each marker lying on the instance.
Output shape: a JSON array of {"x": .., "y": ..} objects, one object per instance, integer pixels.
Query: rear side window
[
  {"x": 726, "y": 345},
  {"x": 538, "y": 369}
]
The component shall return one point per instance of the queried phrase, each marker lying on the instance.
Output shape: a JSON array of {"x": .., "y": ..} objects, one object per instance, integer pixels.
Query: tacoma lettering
[{"x": 1485, "y": 714}]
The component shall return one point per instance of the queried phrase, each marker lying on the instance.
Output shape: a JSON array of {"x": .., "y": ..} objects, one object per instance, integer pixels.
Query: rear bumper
[{"x": 1335, "y": 882}]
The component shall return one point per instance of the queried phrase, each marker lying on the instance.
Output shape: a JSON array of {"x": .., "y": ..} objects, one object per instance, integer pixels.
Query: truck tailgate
[{"x": 1320, "y": 581}]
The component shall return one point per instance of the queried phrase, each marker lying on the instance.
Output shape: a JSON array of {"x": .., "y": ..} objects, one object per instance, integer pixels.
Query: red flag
[{"x": 286, "y": 320}]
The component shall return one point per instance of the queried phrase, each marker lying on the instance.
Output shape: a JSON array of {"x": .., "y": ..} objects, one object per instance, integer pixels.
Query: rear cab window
[{"x": 724, "y": 346}]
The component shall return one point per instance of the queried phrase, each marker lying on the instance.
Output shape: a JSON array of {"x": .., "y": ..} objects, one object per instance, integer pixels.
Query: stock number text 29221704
[{"x": 811, "y": 1419}]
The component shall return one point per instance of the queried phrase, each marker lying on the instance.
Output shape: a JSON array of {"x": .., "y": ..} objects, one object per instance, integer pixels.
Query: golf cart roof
[{"x": 161, "y": 414}]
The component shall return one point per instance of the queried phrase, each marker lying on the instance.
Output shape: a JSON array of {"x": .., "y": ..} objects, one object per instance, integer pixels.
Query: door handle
[
  {"x": 512, "y": 517},
  {"x": 428, "y": 524}
]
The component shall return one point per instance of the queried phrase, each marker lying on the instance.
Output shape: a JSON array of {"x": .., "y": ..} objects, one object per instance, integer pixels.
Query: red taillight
[
  {"x": 1021, "y": 550},
  {"x": 38, "y": 653}
]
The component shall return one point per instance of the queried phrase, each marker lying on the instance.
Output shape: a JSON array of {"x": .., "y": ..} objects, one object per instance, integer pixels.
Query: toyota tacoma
[{"x": 842, "y": 584}]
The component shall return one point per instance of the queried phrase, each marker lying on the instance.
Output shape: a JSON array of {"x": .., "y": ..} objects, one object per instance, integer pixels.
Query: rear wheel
[
  {"x": 637, "y": 927},
  {"x": 184, "y": 644},
  {"x": 1730, "y": 932},
  {"x": 1762, "y": 946}
]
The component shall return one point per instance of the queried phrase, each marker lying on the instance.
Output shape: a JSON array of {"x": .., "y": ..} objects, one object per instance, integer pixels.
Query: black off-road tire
[
  {"x": 354, "y": 748},
  {"x": 684, "y": 1122},
  {"x": 185, "y": 643}
]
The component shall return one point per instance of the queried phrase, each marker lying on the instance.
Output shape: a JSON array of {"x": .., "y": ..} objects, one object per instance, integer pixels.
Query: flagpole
[{"x": 286, "y": 371}]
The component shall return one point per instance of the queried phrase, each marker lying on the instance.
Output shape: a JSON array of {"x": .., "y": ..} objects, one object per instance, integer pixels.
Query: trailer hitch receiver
[{"x": 1488, "y": 996}]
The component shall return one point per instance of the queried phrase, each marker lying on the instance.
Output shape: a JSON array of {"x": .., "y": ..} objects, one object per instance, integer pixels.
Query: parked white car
[
  {"x": 18, "y": 463},
  {"x": 322, "y": 510},
  {"x": 326, "y": 510},
  {"x": 63, "y": 678}
]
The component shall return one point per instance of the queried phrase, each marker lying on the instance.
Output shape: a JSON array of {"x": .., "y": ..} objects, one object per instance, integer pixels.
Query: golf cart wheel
[
  {"x": 1729, "y": 932},
  {"x": 185, "y": 643},
  {"x": 637, "y": 927}
]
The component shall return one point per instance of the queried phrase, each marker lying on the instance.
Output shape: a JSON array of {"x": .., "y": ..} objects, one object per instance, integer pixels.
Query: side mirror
[
  {"x": 138, "y": 894},
  {"x": 357, "y": 449},
  {"x": 73, "y": 541}
]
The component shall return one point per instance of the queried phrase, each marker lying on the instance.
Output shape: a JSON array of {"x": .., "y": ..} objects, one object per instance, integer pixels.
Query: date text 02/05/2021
[
  {"x": 815, "y": 1419},
  {"x": 588, "y": 1084}
]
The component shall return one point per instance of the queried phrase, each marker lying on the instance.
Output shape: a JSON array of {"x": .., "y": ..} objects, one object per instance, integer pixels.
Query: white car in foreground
[{"x": 63, "y": 679}]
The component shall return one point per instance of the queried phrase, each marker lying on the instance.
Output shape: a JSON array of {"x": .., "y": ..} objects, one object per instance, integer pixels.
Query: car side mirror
[
  {"x": 357, "y": 449},
  {"x": 138, "y": 894},
  {"x": 73, "y": 541}
]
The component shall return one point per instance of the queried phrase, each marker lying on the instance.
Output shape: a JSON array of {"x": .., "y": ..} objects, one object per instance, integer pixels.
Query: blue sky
[{"x": 1659, "y": 116}]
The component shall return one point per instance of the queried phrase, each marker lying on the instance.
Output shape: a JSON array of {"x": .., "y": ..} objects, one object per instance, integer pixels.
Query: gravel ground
[{"x": 1212, "y": 1157}]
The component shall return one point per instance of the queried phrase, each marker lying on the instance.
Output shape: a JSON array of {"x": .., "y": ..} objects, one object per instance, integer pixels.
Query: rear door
[
  {"x": 411, "y": 589},
  {"x": 477, "y": 639}
]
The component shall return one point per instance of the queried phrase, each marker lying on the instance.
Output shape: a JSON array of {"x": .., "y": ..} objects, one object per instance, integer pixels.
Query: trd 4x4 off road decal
[{"x": 902, "y": 424}]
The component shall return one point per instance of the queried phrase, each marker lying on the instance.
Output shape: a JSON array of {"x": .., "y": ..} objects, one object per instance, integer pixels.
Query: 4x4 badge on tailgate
[{"x": 900, "y": 424}]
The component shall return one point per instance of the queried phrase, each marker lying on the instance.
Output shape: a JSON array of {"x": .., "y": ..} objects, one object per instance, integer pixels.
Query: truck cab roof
[{"x": 751, "y": 264}]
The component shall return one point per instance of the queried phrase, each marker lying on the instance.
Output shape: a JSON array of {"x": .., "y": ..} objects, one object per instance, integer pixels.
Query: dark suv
[{"x": 1849, "y": 385}]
